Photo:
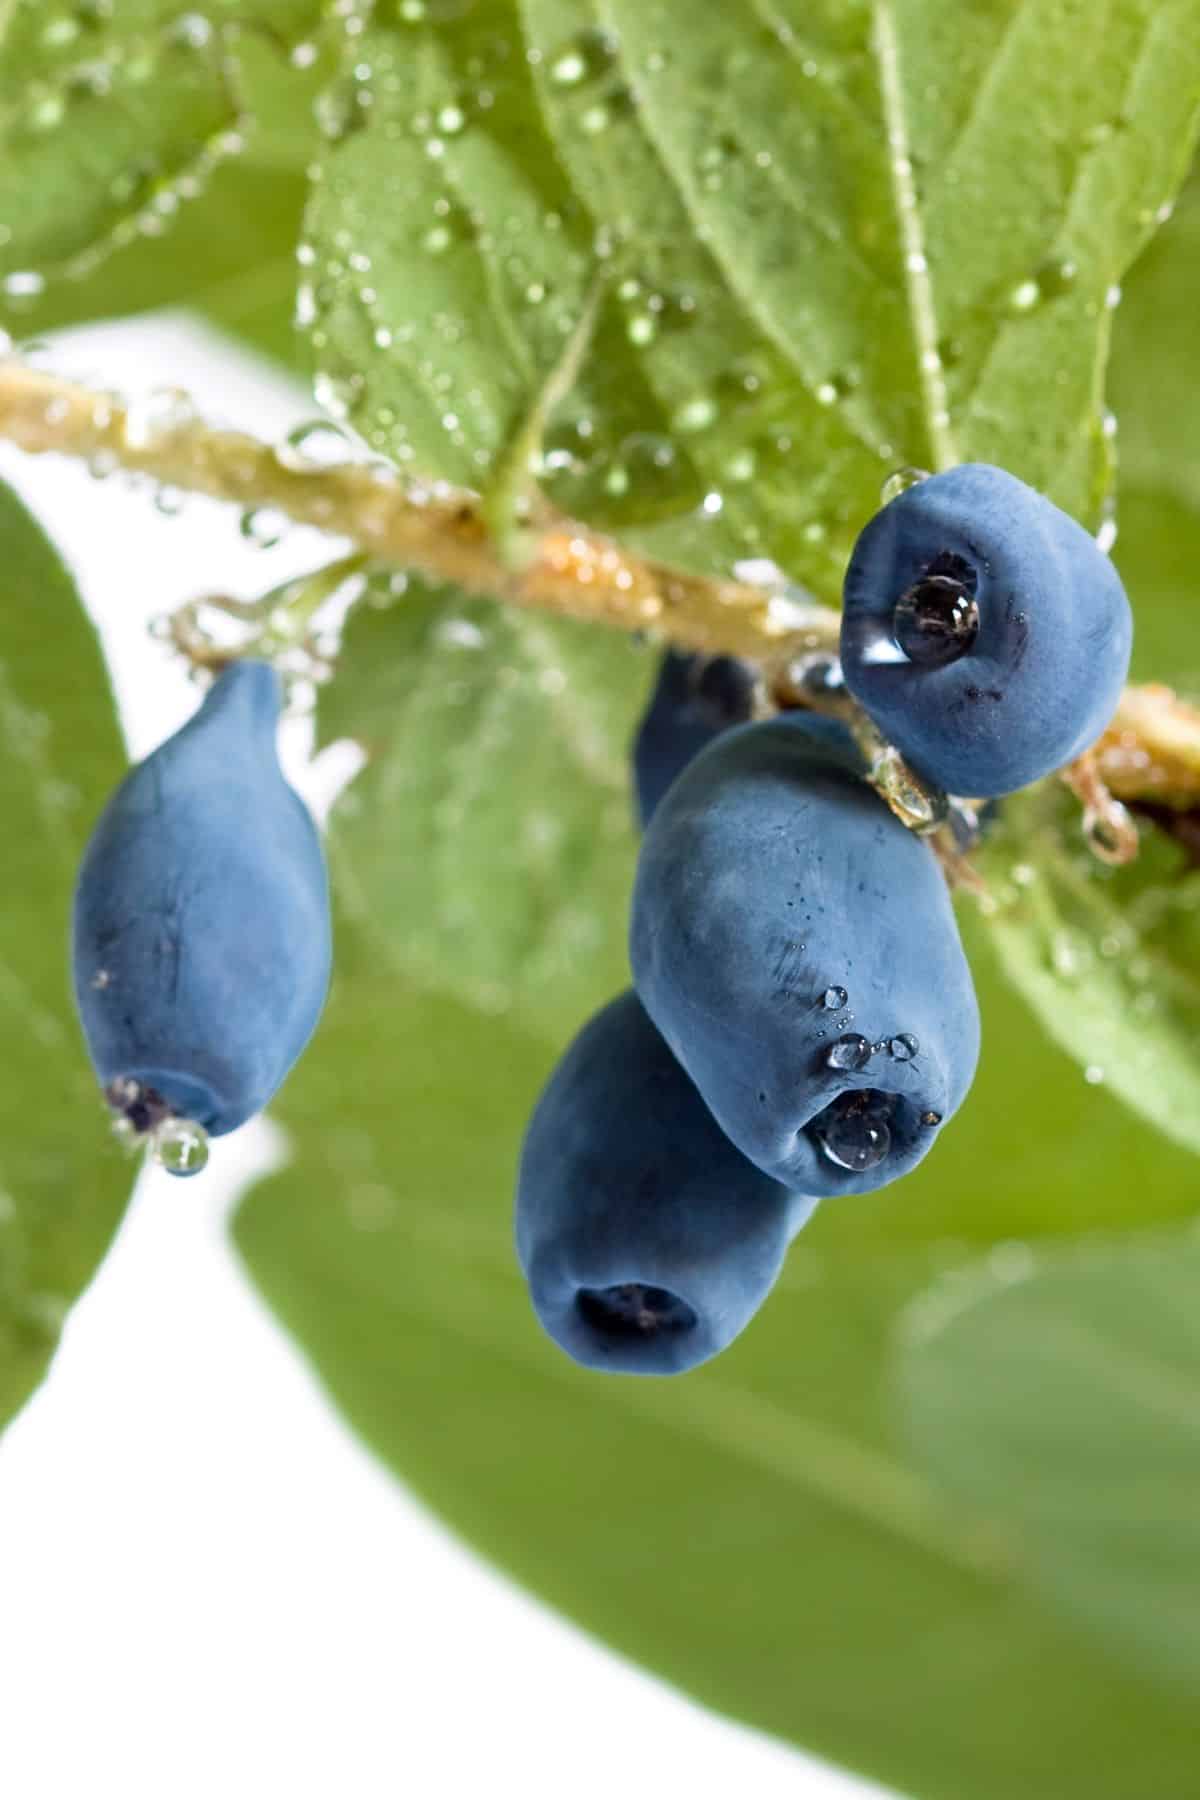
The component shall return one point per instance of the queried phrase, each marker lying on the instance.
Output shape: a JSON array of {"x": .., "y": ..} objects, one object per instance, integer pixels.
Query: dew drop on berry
[
  {"x": 854, "y": 1132},
  {"x": 937, "y": 620},
  {"x": 850, "y": 1052},
  {"x": 181, "y": 1147},
  {"x": 903, "y": 1047},
  {"x": 834, "y": 999}
]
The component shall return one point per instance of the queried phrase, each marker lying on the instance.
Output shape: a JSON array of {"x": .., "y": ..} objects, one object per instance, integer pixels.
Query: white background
[{"x": 207, "y": 1587}]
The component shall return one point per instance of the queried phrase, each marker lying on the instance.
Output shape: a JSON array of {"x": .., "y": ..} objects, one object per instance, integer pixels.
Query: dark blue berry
[
  {"x": 984, "y": 631},
  {"x": 647, "y": 1240},
  {"x": 201, "y": 926},
  {"x": 694, "y": 700},
  {"x": 797, "y": 948}
]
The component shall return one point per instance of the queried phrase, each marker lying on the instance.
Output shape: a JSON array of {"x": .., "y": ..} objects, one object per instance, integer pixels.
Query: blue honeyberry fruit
[
  {"x": 647, "y": 1240},
  {"x": 984, "y": 631},
  {"x": 695, "y": 699},
  {"x": 201, "y": 944},
  {"x": 797, "y": 948}
]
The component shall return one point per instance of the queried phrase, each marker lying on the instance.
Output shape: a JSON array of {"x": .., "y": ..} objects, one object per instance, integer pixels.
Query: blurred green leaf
[
  {"x": 63, "y": 1183},
  {"x": 488, "y": 846},
  {"x": 1156, "y": 362},
  {"x": 1155, "y": 367},
  {"x": 824, "y": 227},
  {"x": 231, "y": 256},
  {"x": 1109, "y": 959},
  {"x": 1063, "y": 1402},
  {"x": 749, "y": 1531},
  {"x": 112, "y": 119}
]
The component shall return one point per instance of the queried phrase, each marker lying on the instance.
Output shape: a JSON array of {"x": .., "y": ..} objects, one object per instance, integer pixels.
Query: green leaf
[
  {"x": 230, "y": 255},
  {"x": 1109, "y": 959},
  {"x": 63, "y": 1183},
  {"x": 1064, "y": 1403},
  {"x": 1156, "y": 358},
  {"x": 749, "y": 1531},
  {"x": 839, "y": 238},
  {"x": 112, "y": 119},
  {"x": 488, "y": 847}
]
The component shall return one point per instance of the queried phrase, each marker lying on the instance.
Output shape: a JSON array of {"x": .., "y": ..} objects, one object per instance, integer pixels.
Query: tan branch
[
  {"x": 1151, "y": 751},
  {"x": 438, "y": 532}
]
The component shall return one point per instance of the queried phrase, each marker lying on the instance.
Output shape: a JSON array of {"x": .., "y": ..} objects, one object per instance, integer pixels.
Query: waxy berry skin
[
  {"x": 201, "y": 934},
  {"x": 983, "y": 630},
  {"x": 797, "y": 948}
]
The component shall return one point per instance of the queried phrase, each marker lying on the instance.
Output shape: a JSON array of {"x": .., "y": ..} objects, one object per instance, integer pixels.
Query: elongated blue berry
[
  {"x": 797, "y": 949},
  {"x": 695, "y": 699},
  {"x": 984, "y": 631},
  {"x": 647, "y": 1240},
  {"x": 201, "y": 924}
]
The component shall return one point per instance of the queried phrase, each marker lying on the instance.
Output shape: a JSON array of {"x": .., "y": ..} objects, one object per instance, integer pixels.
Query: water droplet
[
  {"x": 937, "y": 620},
  {"x": 930, "y": 1119},
  {"x": 849, "y": 1053},
  {"x": 740, "y": 466},
  {"x": 317, "y": 444},
  {"x": 588, "y": 55},
  {"x": 44, "y": 112},
  {"x": 855, "y": 1131},
  {"x": 1057, "y": 276},
  {"x": 903, "y": 1047},
  {"x": 181, "y": 1147},
  {"x": 168, "y": 500},
  {"x": 23, "y": 284},
  {"x": 899, "y": 482},
  {"x": 262, "y": 526},
  {"x": 648, "y": 467},
  {"x": 1093, "y": 1074},
  {"x": 60, "y": 31},
  {"x": 157, "y": 415},
  {"x": 695, "y": 414},
  {"x": 191, "y": 31},
  {"x": 568, "y": 69},
  {"x": 1025, "y": 296},
  {"x": 834, "y": 998}
]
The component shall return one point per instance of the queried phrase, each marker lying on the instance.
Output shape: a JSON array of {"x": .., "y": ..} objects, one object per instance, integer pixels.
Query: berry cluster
[{"x": 804, "y": 1021}]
